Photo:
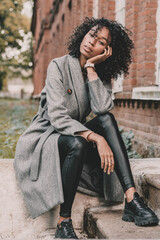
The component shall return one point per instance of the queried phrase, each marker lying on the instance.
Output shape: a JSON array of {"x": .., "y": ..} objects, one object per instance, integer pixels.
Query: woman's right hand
[
  {"x": 101, "y": 57},
  {"x": 106, "y": 155}
]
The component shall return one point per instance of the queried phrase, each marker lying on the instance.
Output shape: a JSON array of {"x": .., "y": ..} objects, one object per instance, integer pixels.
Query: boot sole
[{"x": 139, "y": 221}]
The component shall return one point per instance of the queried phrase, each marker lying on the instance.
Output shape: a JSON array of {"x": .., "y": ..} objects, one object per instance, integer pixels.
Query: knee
[
  {"x": 107, "y": 119},
  {"x": 79, "y": 144}
]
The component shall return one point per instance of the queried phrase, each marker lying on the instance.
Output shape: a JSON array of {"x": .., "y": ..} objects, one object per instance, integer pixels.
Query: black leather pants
[{"x": 74, "y": 151}]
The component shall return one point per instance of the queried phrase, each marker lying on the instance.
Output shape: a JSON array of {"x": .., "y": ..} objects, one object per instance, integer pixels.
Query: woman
[{"x": 52, "y": 153}]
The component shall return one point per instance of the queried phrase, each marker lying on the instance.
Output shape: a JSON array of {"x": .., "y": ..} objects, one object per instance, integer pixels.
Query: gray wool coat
[{"x": 65, "y": 102}]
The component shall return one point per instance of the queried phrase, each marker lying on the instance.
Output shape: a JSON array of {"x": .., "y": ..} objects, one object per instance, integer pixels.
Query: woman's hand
[
  {"x": 102, "y": 57},
  {"x": 106, "y": 155},
  {"x": 105, "y": 152},
  {"x": 92, "y": 75}
]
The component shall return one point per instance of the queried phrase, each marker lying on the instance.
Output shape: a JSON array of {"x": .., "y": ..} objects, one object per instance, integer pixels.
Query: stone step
[
  {"x": 105, "y": 223},
  {"x": 16, "y": 223},
  {"x": 50, "y": 233},
  {"x": 146, "y": 174}
]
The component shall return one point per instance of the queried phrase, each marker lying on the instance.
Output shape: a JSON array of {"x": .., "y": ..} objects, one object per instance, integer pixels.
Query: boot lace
[
  {"x": 69, "y": 230},
  {"x": 140, "y": 202}
]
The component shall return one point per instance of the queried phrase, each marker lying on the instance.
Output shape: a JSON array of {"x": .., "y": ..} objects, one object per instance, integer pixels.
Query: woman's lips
[{"x": 87, "y": 49}]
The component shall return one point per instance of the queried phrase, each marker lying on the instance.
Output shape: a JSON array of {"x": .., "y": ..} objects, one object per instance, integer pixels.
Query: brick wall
[
  {"x": 106, "y": 9},
  {"x": 142, "y": 116},
  {"x": 54, "y": 22},
  {"x": 141, "y": 20}
]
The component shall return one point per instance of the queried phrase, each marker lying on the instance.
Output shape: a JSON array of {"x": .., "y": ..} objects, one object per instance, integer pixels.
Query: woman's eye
[
  {"x": 91, "y": 34},
  {"x": 101, "y": 43}
]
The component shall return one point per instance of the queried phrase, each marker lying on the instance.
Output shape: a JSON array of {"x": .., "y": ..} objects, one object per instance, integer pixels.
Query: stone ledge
[
  {"x": 145, "y": 166},
  {"x": 146, "y": 93},
  {"x": 153, "y": 180}
]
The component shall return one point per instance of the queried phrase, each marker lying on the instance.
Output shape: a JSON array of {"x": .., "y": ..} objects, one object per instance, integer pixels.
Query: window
[
  {"x": 152, "y": 92},
  {"x": 120, "y": 11},
  {"x": 70, "y": 4},
  {"x": 95, "y": 8},
  {"x": 158, "y": 45},
  {"x": 120, "y": 17}
]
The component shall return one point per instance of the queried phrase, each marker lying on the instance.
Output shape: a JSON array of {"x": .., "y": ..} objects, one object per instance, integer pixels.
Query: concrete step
[
  {"x": 16, "y": 223},
  {"x": 146, "y": 173},
  {"x": 50, "y": 233},
  {"x": 105, "y": 223}
]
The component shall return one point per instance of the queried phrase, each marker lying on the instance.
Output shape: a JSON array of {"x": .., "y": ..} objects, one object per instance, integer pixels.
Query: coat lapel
[{"x": 79, "y": 85}]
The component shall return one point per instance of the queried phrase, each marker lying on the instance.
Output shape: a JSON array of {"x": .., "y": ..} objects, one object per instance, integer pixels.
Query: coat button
[{"x": 69, "y": 91}]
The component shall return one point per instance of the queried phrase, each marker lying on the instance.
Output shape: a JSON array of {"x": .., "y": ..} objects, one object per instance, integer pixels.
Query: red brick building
[{"x": 137, "y": 96}]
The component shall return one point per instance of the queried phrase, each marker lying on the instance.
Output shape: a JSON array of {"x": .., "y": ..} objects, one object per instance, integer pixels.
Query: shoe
[
  {"x": 137, "y": 211},
  {"x": 65, "y": 230}
]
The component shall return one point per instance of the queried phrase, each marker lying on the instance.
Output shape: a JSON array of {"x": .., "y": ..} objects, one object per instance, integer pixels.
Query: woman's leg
[
  {"x": 72, "y": 152},
  {"x": 135, "y": 209},
  {"x": 106, "y": 126}
]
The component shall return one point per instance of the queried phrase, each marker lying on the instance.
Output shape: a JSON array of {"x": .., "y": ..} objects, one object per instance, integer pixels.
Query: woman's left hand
[
  {"x": 106, "y": 155},
  {"x": 101, "y": 57},
  {"x": 104, "y": 150}
]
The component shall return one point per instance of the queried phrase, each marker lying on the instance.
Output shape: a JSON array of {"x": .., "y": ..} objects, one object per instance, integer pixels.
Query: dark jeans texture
[{"x": 75, "y": 151}]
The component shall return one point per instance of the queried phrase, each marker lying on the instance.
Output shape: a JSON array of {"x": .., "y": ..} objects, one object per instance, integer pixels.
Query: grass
[{"x": 15, "y": 117}]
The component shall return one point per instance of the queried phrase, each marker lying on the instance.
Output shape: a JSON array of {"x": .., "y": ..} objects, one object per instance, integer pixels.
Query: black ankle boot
[
  {"x": 137, "y": 211},
  {"x": 65, "y": 230}
]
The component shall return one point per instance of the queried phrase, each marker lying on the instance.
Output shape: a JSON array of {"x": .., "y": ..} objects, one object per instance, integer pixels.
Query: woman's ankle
[
  {"x": 62, "y": 219},
  {"x": 130, "y": 194}
]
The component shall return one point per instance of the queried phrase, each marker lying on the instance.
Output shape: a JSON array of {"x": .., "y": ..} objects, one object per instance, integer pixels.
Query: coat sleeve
[
  {"x": 57, "y": 110},
  {"x": 100, "y": 96}
]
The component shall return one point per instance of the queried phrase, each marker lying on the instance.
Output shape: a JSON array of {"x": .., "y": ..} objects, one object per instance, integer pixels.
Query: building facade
[{"x": 136, "y": 96}]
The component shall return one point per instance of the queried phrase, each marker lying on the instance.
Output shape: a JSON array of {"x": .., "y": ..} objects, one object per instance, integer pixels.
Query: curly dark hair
[{"x": 121, "y": 45}]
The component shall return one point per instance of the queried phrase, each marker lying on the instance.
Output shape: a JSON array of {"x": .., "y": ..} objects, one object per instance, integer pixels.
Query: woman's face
[{"x": 94, "y": 42}]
